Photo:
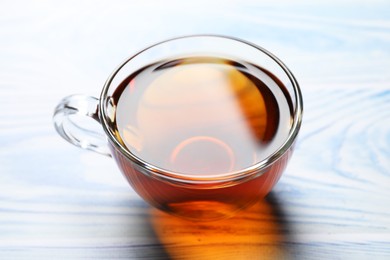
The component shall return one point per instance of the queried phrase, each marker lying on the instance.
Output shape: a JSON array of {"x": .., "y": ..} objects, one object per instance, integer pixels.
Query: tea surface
[{"x": 202, "y": 115}]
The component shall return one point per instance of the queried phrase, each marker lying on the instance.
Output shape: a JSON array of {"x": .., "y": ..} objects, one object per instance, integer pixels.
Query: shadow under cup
[{"x": 196, "y": 197}]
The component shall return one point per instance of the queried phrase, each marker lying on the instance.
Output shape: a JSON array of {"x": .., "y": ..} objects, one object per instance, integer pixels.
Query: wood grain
[{"x": 60, "y": 202}]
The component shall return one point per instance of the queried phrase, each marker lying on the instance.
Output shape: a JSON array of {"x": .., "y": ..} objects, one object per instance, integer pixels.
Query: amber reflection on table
[{"x": 251, "y": 234}]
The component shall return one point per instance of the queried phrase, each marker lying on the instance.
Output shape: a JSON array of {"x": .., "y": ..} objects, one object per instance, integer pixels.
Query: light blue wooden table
[{"x": 59, "y": 202}]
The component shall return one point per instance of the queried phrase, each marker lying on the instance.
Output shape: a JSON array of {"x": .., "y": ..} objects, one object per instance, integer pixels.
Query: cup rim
[{"x": 171, "y": 176}]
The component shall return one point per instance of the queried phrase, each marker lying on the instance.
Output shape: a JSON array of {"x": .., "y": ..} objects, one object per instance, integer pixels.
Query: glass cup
[{"x": 197, "y": 197}]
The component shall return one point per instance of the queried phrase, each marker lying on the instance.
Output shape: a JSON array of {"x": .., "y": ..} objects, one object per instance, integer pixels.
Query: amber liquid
[{"x": 201, "y": 116}]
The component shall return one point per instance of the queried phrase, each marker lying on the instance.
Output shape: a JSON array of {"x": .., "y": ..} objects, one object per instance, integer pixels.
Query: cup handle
[{"x": 76, "y": 107}]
